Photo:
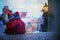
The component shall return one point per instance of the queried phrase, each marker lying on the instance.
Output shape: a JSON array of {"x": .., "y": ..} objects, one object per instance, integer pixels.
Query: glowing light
[{"x": 45, "y": 9}]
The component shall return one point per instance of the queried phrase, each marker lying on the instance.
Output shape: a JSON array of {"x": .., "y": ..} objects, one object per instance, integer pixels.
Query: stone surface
[{"x": 30, "y": 36}]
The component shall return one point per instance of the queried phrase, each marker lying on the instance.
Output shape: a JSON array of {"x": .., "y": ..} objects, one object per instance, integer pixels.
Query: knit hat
[
  {"x": 17, "y": 15},
  {"x": 10, "y": 16}
]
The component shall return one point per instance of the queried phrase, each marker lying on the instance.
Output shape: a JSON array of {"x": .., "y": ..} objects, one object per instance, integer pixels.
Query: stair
[{"x": 30, "y": 36}]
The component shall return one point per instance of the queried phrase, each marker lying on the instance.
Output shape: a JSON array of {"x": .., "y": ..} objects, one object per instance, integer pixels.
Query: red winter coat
[{"x": 15, "y": 26}]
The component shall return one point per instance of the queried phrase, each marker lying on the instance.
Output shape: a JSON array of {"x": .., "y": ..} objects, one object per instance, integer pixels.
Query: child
[{"x": 15, "y": 25}]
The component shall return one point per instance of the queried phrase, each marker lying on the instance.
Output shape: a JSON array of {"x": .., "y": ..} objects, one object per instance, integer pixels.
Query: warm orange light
[{"x": 45, "y": 8}]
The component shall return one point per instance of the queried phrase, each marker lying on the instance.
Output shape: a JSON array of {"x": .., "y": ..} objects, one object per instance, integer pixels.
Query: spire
[{"x": 46, "y": 4}]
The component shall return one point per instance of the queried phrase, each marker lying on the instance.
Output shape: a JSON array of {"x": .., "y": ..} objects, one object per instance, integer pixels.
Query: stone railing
[{"x": 30, "y": 36}]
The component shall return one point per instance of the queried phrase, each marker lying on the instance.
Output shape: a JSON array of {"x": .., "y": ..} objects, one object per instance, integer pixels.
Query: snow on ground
[{"x": 30, "y": 36}]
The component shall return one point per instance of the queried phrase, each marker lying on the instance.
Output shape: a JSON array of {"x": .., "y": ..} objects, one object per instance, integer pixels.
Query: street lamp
[
  {"x": 45, "y": 16},
  {"x": 45, "y": 8}
]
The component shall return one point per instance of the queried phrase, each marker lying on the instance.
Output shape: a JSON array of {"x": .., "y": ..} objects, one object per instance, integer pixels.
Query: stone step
[{"x": 29, "y": 36}]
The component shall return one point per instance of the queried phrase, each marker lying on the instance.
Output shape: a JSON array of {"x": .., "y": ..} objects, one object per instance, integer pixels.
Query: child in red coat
[
  {"x": 19, "y": 24},
  {"x": 15, "y": 25}
]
